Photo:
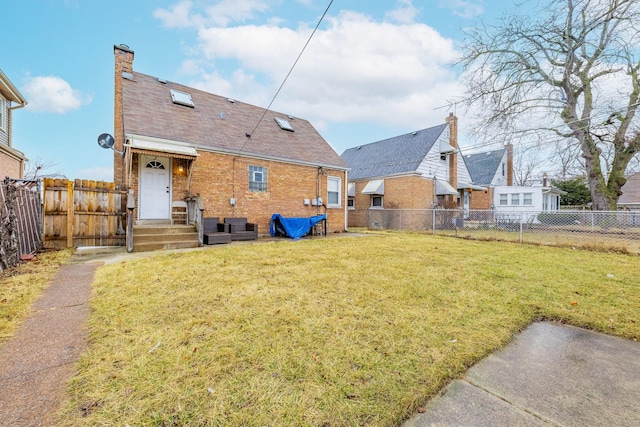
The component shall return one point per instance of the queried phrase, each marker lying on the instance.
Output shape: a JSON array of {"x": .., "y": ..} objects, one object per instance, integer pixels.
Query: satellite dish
[{"x": 105, "y": 141}]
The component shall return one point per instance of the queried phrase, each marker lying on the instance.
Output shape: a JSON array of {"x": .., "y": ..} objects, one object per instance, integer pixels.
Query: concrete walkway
[
  {"x": 551, "y": 375},
  {"x": 37, "y": 363}
]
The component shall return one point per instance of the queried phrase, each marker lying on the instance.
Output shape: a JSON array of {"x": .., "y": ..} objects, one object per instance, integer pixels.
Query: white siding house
[{"x": 528, "y": 201}]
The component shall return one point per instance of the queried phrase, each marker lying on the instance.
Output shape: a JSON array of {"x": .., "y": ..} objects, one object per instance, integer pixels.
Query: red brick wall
[
  {"x": 123, "y": 62},
  {"x": 219, "y": 177},
  {"x": 407, "y": 192},
  {"x": 481, "y": 199}
]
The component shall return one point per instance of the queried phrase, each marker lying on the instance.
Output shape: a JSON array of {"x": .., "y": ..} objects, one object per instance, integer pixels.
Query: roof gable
[
  {"x": 219, "y": 123},
  {"x": 484, "y": 166},
  {"x": 392, "y": 156}
]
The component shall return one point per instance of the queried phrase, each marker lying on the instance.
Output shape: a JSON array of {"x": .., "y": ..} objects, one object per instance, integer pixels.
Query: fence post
[
  {"x": 69, "y": 214},
  {"x": 433, "y": 221},
  {"x": 521, "y": 216}
]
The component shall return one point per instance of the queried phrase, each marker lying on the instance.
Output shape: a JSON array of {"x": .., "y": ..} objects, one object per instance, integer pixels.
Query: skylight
[
  {"x": 181, "y": 98},
  {"x": 284, "y": 124}
]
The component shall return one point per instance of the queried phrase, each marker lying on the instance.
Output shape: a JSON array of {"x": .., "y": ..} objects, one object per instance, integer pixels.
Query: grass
[
  {"x": 20, "y": 286},
  {"x": 626, "y": 242},
  {"x": 330, "y": 332}
]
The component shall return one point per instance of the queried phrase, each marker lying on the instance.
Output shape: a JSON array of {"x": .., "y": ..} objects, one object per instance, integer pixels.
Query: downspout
[{"x": 346, "y": 200}]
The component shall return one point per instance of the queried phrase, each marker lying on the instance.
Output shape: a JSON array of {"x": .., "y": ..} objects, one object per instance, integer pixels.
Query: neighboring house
[
  {"x": 418, "y": 170},
  {"x": 242, "y": 161},
  {"x": 630, "y": 198},
  {"x": 490, "y": 169},
  {"x": 527, "y": 201},
  {"x": 11, "y": 160}
]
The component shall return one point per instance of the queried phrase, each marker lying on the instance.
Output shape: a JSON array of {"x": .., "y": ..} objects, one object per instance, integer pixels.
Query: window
[
  {"x": 181, "y": 98},
  {"x": 155, "y": 165},
  {"x": 351, "y": 203},
  {"x": 515, "y": 199},
  {"x": 257, "y": 178},
  {"x": 504, "y": 169},
  {"x": 504, "y": 201},
  {"x": 376, "y": 201},
  {"x": 527, "y": 199},
  {"x": 333, "y": 191},
  {"x": 284, "y": 124}
]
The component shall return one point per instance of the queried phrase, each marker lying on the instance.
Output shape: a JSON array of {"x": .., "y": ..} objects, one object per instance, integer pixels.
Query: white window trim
[
  {"x": 3, "y": 112},
  {"x": 515, "y": 197},
  {"x": 263, "y": 184},
  {"x": 505, "y": 200},
  {"x": 525, "y": 199},
  {"x": 339, "y": 182},
  {"x": 373, "y": 196}
]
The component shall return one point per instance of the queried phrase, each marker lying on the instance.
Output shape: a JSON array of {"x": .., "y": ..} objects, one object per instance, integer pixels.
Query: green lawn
[{"x": 330, "y": 332}]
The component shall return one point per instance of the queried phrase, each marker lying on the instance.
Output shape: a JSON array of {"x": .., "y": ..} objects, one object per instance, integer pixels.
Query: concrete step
[
  {"x": 163, "y": 246},
  {"x": 159, "y": 237},
  {"x": 162, "y": 229}
]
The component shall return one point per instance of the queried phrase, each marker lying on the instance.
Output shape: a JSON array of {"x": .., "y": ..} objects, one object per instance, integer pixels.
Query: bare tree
[
  {"x": 39, "y": 167},
  {"x": 526, "y": 164},
  {"x": 571, "y": 72},
  {"x": 567, "y": 156}
]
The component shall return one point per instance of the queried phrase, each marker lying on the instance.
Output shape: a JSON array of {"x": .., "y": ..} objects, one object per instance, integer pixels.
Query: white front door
[{"x": 155, "y": 188}]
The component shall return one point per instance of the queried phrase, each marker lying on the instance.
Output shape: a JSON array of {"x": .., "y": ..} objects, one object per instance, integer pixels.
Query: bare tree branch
[{"x": 557, "y": 73}]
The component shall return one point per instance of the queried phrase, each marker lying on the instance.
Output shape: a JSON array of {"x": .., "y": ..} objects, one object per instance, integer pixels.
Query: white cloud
[
  {"x": 405, "y": 13},
  {"x": 53, "y": 95},
  {"x": 222, "y": 13},
  {"x": 357, "y": 69},
  {"x": 463, "y": 8},
  {"x": 178, "y": 16}
]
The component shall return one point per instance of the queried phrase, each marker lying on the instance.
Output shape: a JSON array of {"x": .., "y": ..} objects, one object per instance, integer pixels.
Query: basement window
[
  {"x": 181, "y": 98},
  {"x": 284, "y": 124}
]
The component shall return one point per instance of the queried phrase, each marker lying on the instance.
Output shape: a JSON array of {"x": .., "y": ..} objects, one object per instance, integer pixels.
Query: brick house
[
  {"x": 173, "y": 142},
  {"x": 489, "y": 169},
  {"x": 418, "y": 170},
  {"x": 11, "y": 160}
]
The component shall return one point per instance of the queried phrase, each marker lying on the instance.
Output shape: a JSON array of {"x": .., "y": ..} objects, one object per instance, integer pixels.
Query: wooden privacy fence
[
  {"x": 20, "y": 220},
  {"x": 83, "y": 213}
]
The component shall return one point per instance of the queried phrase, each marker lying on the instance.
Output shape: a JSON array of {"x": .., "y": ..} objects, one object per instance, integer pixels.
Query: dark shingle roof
[
  {"x": 150, "y": 111},
  {"x": 400, "y": 154},
  {"x": 483, "y": 166}
]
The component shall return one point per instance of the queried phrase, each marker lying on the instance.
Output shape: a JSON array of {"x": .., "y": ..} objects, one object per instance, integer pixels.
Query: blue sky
[{"x": 375, "y": 69}]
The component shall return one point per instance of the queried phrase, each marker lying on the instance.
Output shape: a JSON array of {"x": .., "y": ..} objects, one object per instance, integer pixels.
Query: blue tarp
[{"x": 293, "y": 227}]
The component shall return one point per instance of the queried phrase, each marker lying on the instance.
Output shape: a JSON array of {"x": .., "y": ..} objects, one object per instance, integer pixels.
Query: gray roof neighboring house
[
  {"x": 483, "y": 166},
  {"x": 392, "y": 156},
  {"x": 209, "y": 122}
]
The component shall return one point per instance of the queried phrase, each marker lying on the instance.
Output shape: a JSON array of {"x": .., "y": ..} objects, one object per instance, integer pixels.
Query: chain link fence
[{"x": 610, "y": 230}]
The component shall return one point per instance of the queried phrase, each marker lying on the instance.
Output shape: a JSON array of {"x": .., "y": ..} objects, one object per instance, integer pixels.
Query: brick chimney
[
  {"x": 124, "y": 64},
  {"x": 509, "y": 149},
  {"x": 452, "y": 120}
]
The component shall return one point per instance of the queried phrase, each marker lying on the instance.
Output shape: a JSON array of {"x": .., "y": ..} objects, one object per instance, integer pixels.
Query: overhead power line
[{"x": 288, "y": 74}]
